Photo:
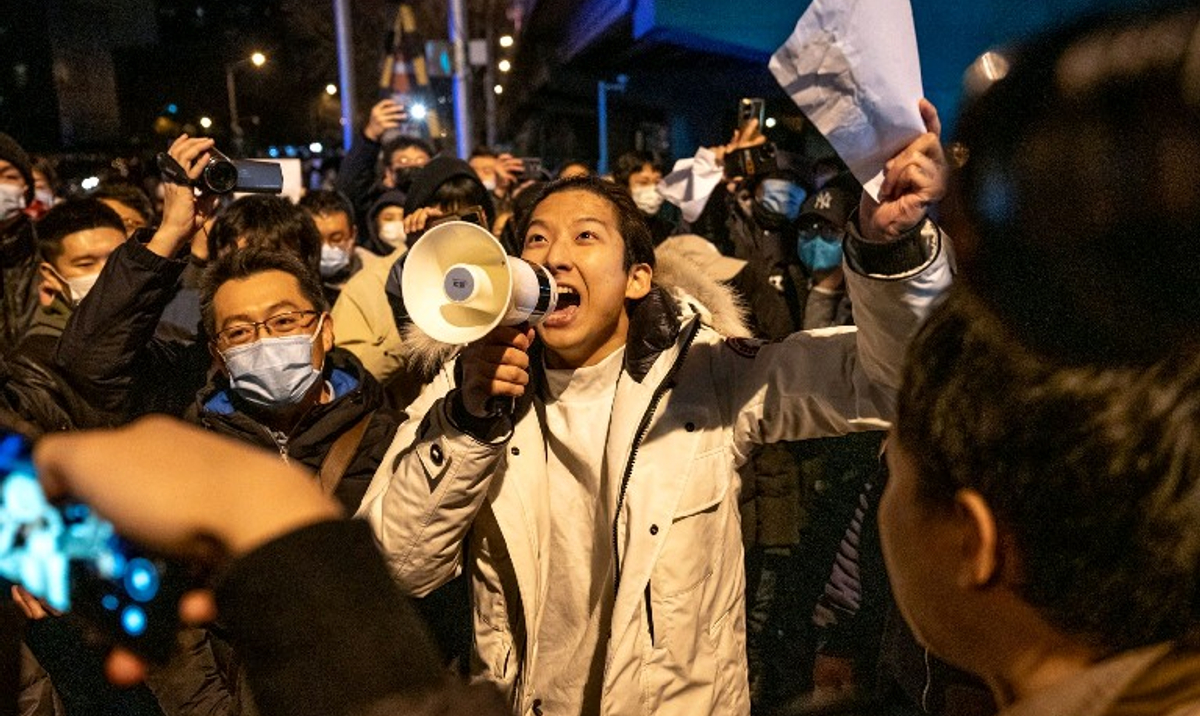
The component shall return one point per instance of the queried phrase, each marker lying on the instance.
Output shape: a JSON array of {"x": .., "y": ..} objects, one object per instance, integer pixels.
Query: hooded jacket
[
  {"x": 433, "y": 175},
  {"x": 690, "y": 406}
]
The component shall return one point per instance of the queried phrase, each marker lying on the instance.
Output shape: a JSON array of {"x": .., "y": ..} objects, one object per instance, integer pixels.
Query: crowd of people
[{"x": 990, "y": 399}]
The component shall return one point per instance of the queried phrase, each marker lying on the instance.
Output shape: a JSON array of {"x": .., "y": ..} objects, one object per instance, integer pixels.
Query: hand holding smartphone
[{"x": 74, "y": 560}]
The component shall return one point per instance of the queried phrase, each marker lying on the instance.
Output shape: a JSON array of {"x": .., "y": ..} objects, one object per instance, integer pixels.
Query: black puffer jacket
[
  {"x": 18, "y": 280},
  {"x": 41, "y": 395},
  {"x": 219, "y": 409}
]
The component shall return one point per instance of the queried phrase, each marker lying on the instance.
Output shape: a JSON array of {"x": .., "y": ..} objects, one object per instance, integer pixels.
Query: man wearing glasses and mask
[
  {"x": 280, "y": 382},
  {"x": 273, "y": 376}
]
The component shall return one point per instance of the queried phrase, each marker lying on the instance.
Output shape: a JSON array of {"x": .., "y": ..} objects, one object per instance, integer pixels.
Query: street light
[
  {"x": 505, "y": 66},
  {"x": 602, "y": 90},
  {"x": 331, "y": 89},
  {"x": 206, "y": 122},
  {"x": 506, "y": 41},
  {"x": 257, "y": 59}
]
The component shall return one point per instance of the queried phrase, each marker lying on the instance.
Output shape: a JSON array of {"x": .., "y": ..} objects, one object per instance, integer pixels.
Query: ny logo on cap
[{"x": 823, "y": 200}]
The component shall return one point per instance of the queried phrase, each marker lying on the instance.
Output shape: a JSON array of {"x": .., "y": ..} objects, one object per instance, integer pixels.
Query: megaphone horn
[{"x": 459, "y": 284}]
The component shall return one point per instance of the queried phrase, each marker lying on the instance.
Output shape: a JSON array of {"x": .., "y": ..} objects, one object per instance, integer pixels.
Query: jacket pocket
[{"x": 695, "y": 535}]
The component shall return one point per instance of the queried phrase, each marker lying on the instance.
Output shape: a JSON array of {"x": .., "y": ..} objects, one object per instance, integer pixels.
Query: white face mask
[
  {"x": 333, "y": 260},
  {"x": 489, "y": 184},
  {"x": 45, "y": 196},
  {"x": 647, "y": 199},
  {"x": 392, "y": 232},
  {"x": 78, "y": 287},
  {"x": 12, "y": 201}
]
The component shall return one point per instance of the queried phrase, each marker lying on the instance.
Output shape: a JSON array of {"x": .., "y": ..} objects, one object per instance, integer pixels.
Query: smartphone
[
  {"x": 72, "y": 559},
  {"x": 531, "y": 168},
  {"x": 751, "y": 108}
]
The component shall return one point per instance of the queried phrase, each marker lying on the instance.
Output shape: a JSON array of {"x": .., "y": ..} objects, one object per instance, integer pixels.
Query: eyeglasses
[{"x": 281, "y": 324}]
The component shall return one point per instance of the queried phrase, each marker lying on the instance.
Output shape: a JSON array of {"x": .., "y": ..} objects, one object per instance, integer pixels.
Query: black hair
[
  {"x": 1092, "y": 471},
  {"x": 46, "y": 167},
  {"x": 574, "y": 163},
  {"x": 248, "y": 262},
  {"x": 460, "y": 192},
  {"x": 635, "y": 232},
  {"x": 483, "y": 151},
  {"x": 327, "y": 201},
  {"x": 72, "y": 216},
  {"x": 128, "y": 195},
  {"x": 404, "y": 141},
  {"x": 1079, "y": 187},
  {"x": 631, "y": 163},
  {"x": 269, "y": 221}
]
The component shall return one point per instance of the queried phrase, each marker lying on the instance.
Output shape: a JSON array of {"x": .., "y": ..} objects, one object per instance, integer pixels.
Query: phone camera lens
[
  {"x": 141, "y": 580},
  {"x": 133, "y": 620}
]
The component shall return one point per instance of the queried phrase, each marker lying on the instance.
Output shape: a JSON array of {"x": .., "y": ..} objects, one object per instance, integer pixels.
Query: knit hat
[{"x": 12, "y": 153}]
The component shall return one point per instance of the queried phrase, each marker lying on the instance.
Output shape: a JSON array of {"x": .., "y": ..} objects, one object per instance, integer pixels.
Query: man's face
[
  {"x": 131, "y": 217},
  {"x": 9, "y": 174},
  {"x": 84, "y": 253},
  {"x": 921, "y": 551},
  {"x": 404, "y": 160},
  {"x": 261, "y": 296},
  {"x": 647, "y": 176},
  {"x": 336, "y": 229},
  {"x": 575, "y": 235}
]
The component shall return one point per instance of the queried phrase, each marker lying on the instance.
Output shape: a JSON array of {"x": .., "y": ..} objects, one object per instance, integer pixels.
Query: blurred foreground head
[{"x": 1081, "y": 188}]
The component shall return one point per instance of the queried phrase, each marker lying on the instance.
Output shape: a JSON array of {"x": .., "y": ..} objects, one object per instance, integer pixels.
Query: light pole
[
  {"x": 602, "y": 90},
  {"x": 257, "y": 59}
]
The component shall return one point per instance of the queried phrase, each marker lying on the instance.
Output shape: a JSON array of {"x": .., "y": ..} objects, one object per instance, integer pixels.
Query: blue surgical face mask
[
  {"x": 275, "y": 372},
  {"x": 819, "y": 253},
  {"x": 333, "y": 260},
  {"x": 782, "y": 197}
]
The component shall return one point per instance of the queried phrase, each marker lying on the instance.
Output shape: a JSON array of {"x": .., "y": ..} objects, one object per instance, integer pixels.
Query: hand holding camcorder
[{"x": 222, "y": 175}]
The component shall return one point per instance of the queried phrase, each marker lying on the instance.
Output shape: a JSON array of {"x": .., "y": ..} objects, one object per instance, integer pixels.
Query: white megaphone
[{"x": 459, "y": 284}]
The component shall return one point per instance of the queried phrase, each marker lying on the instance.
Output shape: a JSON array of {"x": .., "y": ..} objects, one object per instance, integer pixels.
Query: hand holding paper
[
  {"x": 913, "y": 180},
  {"x": 853, "y": 69}
]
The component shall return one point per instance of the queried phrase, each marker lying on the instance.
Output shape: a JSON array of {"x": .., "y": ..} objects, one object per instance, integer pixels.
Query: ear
[
  {"x": 637, "y": 285},
  {"x": 979, "y": 557},
  {"x": 327, "y": 332},
  {"x": 49, "y": 286}
]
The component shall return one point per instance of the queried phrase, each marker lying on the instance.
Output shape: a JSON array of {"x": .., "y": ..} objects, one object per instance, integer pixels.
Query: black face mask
[{"x": 402, "y": 178}]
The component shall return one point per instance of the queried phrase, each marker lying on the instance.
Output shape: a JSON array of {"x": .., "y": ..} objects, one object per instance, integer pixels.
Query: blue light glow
[
  {"x": 133, "y": 621},
  {"x": 141, "y": 579}
]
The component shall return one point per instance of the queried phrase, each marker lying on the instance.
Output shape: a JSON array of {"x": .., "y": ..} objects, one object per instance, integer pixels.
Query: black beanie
[{"x": 12, "y": 153}]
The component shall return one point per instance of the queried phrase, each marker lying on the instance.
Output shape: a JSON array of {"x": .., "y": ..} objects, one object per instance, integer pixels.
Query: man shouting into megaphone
[{"x": 605, "y": 550}]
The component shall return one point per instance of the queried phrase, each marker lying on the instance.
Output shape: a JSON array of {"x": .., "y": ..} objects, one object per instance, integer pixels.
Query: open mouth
[{"x": 565, "y": 307}]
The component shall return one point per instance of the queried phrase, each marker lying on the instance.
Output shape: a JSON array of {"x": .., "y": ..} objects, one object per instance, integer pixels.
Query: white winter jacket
[{"x": 683, "y": 422}]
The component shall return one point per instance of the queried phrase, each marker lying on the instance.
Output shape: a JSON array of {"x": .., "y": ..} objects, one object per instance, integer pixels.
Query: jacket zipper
[
  {"x": 643, "y": 427},
  {"x": 281, "y": 442}
]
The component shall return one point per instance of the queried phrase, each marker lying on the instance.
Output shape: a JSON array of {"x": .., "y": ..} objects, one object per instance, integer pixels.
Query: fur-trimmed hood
[{"x": 679, "y": 284}]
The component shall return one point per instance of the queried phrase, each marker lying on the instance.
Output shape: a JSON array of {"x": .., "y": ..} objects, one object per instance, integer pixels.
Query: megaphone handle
[{"x": 498, "y": 405}]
